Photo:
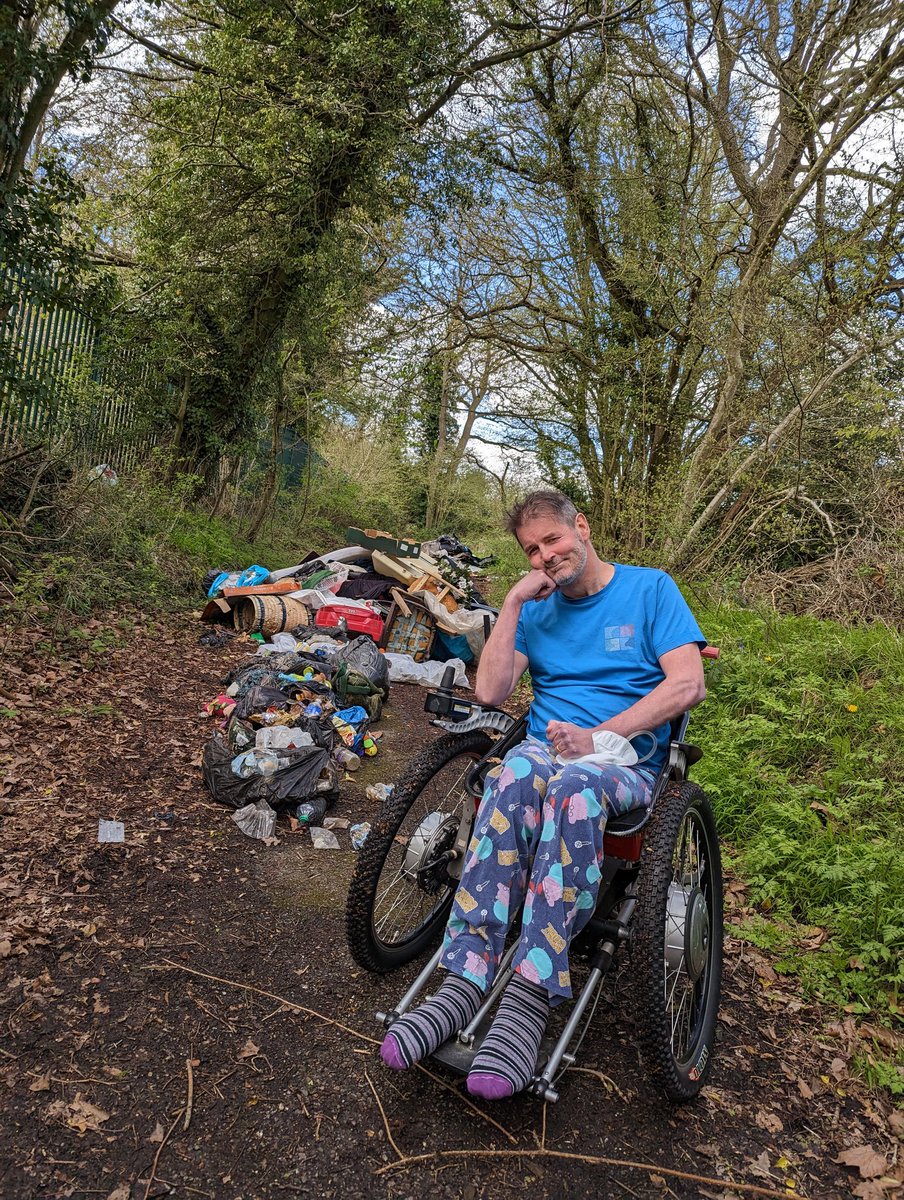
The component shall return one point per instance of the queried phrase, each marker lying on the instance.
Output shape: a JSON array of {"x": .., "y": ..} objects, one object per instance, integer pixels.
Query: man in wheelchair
[{"x": 614, "y": 655}]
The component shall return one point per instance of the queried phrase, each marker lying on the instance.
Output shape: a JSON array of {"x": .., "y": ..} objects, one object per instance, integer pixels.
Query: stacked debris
[
  {"x": 300, "y": 712},
  {"x": 292, "y": 719},
  {"x": 416, "y": 601}
]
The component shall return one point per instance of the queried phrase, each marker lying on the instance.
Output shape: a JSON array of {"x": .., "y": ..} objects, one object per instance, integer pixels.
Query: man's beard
[{"x": 575, "y": 573}]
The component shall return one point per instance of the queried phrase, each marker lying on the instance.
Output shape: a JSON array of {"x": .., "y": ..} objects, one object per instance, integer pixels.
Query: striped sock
[
  {"x": 506, "y": 1061},
  {"x": 417, "y": 1034}
]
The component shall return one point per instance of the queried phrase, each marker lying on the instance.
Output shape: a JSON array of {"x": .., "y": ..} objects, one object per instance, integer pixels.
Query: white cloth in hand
[{"x": 609, "y": 750}]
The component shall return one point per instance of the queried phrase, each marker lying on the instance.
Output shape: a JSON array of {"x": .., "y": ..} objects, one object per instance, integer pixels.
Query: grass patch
[{"x": 805, "y": 767}]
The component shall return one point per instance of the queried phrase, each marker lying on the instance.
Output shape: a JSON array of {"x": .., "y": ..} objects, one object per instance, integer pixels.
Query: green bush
[
  {"x": 805, "y": 766},
  {"x": 143, "y": 541}
]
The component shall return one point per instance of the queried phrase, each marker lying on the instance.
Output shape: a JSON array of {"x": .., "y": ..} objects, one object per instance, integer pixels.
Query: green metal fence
[{"x": 54, "y": 388}]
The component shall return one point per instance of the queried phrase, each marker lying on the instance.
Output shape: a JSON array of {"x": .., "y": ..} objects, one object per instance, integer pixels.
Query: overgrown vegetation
[{"x": 805, "y": 766}]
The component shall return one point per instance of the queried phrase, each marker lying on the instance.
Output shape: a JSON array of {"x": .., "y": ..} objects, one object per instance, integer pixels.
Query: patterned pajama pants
[{"x": 538, "y": 838}]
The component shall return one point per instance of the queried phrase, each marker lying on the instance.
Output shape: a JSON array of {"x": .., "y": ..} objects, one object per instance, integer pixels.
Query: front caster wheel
[
  {"x": 676, "y": 958},
  {"x": 401, "y": 891}
]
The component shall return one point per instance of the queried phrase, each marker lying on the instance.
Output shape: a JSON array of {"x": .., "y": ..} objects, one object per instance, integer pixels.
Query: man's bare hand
[
  {"x": 536, "y": 585},
  {"x": 570, "y": 741}
]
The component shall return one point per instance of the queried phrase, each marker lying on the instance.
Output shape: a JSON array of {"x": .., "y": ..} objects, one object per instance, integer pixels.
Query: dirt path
[{"x": 112, "y": 1022}]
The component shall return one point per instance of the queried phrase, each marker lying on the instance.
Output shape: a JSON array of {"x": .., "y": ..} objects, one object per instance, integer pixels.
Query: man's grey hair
[{"x": 544, "y": 503}]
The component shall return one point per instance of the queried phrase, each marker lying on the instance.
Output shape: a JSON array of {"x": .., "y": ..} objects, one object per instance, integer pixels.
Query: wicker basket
[{"x": 270, "y": 614}]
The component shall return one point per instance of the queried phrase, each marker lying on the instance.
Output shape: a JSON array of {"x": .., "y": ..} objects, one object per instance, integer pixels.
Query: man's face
[{"x": 558, "y": 549}]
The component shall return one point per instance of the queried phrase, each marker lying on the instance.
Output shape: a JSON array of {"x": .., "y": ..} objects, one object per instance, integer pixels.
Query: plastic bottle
[
  {"x": 370, "y": 746},
  {"x": 311, "y": 812},
  {"x": 347, "y": 758},
  {"x": 255, "y": 762}
]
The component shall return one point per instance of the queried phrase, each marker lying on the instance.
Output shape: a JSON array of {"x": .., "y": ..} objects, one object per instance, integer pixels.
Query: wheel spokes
[
  {"x": 684, "y": 997},
  {"x": 402, "y": 906}
]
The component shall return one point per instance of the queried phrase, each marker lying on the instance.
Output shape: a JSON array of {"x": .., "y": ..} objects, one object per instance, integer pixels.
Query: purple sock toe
[
  {"x": 391, "y": 1054},
  {"x": 490, "y": 1087}
]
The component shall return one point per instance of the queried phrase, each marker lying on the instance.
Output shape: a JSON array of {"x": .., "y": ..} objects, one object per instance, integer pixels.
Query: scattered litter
[
  {"x": 378, "y": 792},
  {"x": 326, "y": 637},
  {"x": 282, "y": 737},
  {"x": 216, "y": 638},
  {"x": 358, "y": 833},
  {"x": 105, "y": 473},
  {"x": 111, "y": 831},
  {"x": 310, "y": 812},
  {"x": 255, "y": 762},
  {"x": 347, "y": 758},
  {"x": 256, "y": 820},
  {"x": 403, "y": 669},
  {"x": 280, "y": 643},
  {"x": 323, "y": 839}
]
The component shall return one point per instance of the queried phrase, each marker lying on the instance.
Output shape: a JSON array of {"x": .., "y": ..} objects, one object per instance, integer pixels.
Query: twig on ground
[
  {"x": 229, "y": 1025},
  {"x": 248, "y": 987},
  {"x": 184, "y": 1187},
  {"x": 464, "y": 1099},
  {"x": 608, "y": 1083},
  {"x": 191, "y": 1094},
  {"x": 389, "y": 1136},
  {"x": 311, "y": 1012},
  {"x": 751, "y": 1189},
  {"x": 166, "y": 1136}
]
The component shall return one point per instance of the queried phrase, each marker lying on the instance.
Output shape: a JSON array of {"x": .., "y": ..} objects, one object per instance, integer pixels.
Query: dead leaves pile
[{"x": 79, "y": 1114}]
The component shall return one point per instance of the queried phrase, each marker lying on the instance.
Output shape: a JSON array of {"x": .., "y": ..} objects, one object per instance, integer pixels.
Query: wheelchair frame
[{"x": 691, "y": 940}]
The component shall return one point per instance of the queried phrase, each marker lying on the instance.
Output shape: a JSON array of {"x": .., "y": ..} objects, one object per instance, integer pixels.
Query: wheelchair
[{"x": 660, "y": 899}]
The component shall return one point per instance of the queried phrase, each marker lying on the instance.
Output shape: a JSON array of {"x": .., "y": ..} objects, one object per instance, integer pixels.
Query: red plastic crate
[{"x": 357, "y": 619}]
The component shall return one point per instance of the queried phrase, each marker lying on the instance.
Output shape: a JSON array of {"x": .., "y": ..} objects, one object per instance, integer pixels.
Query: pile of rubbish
[
  {"x": 292, "y": 719},
  {"x": 342, "y": 626},
  {"x": 416, "y": 601}
]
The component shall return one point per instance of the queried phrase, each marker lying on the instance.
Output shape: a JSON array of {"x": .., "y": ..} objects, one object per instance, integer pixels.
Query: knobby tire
[{"x": 680, "y": 1076}]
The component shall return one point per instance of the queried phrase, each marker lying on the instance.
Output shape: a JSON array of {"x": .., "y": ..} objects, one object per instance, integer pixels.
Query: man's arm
[
  {"x": 682, "y": 689},
  {"x": 501, "y": 665}
]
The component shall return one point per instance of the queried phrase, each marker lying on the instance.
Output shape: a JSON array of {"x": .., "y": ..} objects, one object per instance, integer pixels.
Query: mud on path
[{"x": 179, "y": 1015}]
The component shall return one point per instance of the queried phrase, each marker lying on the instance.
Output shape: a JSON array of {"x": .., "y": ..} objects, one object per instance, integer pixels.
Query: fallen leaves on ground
[
  {"x": 866, "y": 1160},
  {"x": 78, "y": 1114}
]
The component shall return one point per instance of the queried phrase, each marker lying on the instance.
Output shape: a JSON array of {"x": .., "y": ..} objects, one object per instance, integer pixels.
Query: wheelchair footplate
[{"x": 557, "y": 1053}]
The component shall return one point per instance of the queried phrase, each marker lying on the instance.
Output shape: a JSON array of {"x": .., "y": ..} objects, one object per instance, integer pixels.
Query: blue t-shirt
[{"x": 593, "y": 657}]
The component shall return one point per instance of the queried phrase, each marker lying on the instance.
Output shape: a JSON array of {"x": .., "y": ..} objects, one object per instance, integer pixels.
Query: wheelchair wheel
[
  {"x": 401, "y": 892},
  {"x": 676, "y": 957}
]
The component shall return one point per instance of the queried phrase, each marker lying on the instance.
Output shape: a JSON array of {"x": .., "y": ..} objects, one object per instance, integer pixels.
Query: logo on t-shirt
[{"x": 619, "y": 637}]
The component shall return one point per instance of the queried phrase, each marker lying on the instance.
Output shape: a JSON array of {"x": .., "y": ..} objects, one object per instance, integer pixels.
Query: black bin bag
[{"x": 294, "y": 779}]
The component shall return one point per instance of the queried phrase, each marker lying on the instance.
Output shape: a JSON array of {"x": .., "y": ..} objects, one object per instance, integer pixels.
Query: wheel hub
[
  {"x": 432, "y": 837},
  {"x": 687, "y": 930},
  {"x": 696, "y": 934}
]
